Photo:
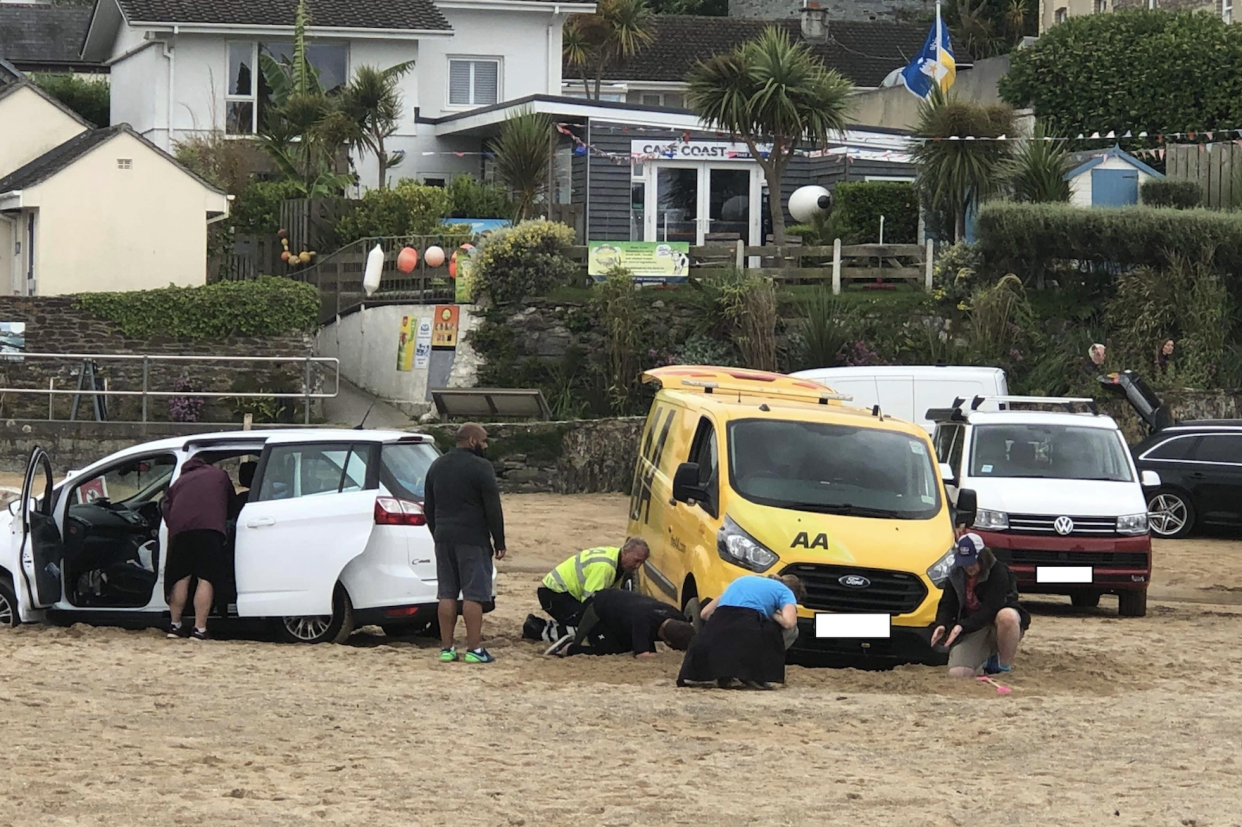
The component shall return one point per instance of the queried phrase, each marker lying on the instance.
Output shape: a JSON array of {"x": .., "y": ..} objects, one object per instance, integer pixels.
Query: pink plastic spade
[{"x": 1000, "y": 689}]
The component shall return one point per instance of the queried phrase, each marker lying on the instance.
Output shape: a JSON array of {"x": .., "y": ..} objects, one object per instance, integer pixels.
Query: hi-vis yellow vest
[{"x": 586, "y": 573}]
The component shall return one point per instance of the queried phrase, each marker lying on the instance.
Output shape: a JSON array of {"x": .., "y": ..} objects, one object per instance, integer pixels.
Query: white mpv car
[{"x": 332, "y": 535}]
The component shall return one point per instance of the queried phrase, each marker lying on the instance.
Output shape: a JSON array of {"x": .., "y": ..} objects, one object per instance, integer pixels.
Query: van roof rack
[
  {"x": 1067, "y": 402},
  {"x": 822, "y": 397}
]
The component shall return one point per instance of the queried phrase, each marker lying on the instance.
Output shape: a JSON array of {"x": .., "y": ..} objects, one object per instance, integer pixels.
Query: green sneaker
[
  {"x": 479, "y": 655},
  {"x": 448, "y": 655}
]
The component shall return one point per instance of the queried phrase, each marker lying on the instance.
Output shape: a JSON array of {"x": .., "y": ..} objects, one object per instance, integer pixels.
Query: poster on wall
[
  {"x": 422, "y": 345},
  {"x": 650, "y": 262},
  {"x": 405, "y": 344},
  {"x": 444, "y": 327},
  {"x": 12, "y": 341}
]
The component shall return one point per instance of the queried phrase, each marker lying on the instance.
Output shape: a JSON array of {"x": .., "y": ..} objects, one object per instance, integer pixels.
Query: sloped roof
[
  {"x": 58, "y": 159},
  {"x": 864, "y": 52},
  {"x": 23, "y": 82},
  {"x": 35, "y": 35},
  {"x": 1080, "y": 162},
  {"x": 416, "y": 15},
  {"x": 9, "y": 73}
]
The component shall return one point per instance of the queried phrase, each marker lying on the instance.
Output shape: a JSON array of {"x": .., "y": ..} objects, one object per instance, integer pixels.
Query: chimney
[{"x": 814, "y": 22}]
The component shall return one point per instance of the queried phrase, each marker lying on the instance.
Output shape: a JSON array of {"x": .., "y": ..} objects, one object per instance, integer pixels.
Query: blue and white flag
[{"x": 934, "y": 65}]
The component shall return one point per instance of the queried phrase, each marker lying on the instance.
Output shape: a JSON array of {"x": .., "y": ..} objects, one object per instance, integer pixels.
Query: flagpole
[{"x": 939, "y": 38}]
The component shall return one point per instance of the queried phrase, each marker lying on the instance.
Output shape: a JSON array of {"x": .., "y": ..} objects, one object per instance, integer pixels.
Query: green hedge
[
  {"x": 1028, "y": 238},
  {"x": 406, "y": 209},
  {"x": 1180, "y": 195},
  {"x": 859, "y": 206},
  {"x": 267, "y": 306},
  {"x": 89, "y": 98}
]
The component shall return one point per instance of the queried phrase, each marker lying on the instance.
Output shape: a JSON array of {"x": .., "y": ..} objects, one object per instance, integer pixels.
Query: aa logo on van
[{"x": 804, "y": 540}]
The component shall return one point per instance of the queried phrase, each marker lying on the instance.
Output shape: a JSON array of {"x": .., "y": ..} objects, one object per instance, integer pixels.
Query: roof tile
[
  {"x": 34, "y": 34},
  {"x": 415, "y": 15}
]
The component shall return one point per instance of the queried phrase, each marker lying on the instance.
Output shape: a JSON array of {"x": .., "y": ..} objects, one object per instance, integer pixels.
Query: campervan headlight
[
  {"x": 1132, "y": 524},
  {"x": 737, "y": 547},
  {"x": 940, "y": 570},
  {"x": 991, "y": 520}
]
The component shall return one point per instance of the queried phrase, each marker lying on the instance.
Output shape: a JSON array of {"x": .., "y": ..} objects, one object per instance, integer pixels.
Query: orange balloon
[
  {"x": 453, "y": 267},
  {"x": 434, "y": 256},
  {"x": 407, "y": 260}
]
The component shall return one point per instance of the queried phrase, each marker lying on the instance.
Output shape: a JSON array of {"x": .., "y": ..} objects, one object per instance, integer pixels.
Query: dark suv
[{"x": 1199, "y": 463}]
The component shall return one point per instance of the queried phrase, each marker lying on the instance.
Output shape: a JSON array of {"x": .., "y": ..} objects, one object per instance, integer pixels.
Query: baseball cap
[{"x": 967, "y": 551}]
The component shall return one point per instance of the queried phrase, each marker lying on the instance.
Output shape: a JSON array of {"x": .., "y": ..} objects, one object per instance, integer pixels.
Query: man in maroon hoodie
[{"x": 196, "y": 510}]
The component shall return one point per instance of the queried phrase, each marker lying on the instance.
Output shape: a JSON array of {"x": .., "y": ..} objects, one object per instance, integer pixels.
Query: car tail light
[
  {"x": 403, "y": 611},
  {"x": 392, "y": 511}
]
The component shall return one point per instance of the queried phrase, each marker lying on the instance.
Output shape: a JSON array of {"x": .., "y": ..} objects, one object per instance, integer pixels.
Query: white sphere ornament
[
  {"x": 808, "y": 202},
  {"x": 374, "y": 270}
]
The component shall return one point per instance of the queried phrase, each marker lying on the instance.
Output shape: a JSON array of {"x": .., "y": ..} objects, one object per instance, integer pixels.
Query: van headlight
[
  {"x": 991, "y": 520},
  {"x": 737, "y": 547},
  {"x": 1132, "y": 524},
  {"x": 940, "y": 570}
]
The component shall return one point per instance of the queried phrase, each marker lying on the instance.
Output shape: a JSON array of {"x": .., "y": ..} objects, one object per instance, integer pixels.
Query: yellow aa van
[{"x": 747, "y": 472}]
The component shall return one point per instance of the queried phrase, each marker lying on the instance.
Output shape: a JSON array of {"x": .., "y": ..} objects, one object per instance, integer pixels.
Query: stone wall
[
  {"x": 1186, "y": 404},
  {"x": 55, "y": 325},
  {"x": 859, "y": 10}
]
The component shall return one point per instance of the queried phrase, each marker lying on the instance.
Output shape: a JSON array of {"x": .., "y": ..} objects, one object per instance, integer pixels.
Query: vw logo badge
[
  {"x": 854, "y": 581},
  {"x": 1063, "y": 525}
]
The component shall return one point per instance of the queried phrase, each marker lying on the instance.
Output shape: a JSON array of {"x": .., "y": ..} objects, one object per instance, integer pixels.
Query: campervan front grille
[
  {"x": 1040, "y": 525},
  {"x": 1042, "y": 557},
  {"x": 889, "y": 592}
]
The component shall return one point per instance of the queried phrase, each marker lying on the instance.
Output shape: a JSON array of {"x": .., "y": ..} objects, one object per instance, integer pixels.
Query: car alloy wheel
[
  {"x": 308, "y": 629},
  {"x": 8, "y": 611},
  {"x": 1169, "y": 515}
]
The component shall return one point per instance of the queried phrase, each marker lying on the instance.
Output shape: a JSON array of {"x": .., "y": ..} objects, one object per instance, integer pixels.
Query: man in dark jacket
[
  {"x": 462, "y": 503},
  {"x": 980, "y": 608},
  {"x": 617, "y": 621},
  {"x": 196, "y": 511}
]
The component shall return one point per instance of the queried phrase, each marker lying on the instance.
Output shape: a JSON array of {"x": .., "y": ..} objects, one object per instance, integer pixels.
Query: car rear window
[{"x": 403, "y": 468}]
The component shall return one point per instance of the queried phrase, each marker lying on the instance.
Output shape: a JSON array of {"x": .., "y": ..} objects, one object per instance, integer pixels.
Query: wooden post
[
  {"x": 836, "y": 267},
  {"x": 247, "y": 422},
  {"x": 927, "y": 277},
  {"x": 741, "y": 254}
]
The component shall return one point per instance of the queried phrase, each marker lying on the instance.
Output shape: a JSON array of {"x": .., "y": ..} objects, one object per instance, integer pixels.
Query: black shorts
[
  {"x": 464, "y": 570},
  {"x": 197, "y": 553}
]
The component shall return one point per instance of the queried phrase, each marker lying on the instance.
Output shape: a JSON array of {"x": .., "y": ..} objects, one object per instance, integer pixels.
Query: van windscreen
[
  {"x": 1063, "y": 452},
  {"x": 403, "y": 468},
  {"x": 833, "y": 469}
]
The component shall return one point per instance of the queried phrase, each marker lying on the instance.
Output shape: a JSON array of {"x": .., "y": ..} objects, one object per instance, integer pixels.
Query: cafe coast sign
[{"x": 692, "y": 150}]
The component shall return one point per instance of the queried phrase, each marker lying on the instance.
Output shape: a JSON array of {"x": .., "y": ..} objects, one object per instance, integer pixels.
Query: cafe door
[{"x": 686, "y": 200}]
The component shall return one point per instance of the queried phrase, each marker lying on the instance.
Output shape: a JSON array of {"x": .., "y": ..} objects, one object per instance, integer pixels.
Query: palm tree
[
  {"x": 953, "y": 173},
  {"x": 371, "y": 107},
  {"x": 771, "y": 91},
  {"x": 617, "y": 31},
  {"x": 523, "y": 154},
  {"x": 1038, "y": 170}
]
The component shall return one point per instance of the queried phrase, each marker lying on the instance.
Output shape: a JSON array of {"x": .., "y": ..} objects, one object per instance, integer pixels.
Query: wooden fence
[
  {"x": 1216, "y": 168},
  {"x": 794, "y": 265}
]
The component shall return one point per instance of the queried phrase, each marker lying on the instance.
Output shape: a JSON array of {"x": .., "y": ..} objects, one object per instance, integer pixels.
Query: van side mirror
[
  {"x": 967, "y": 508},
  {"x": 686, "y": 483},
  {"x": 1150, "y": 479},
  {"x": 947, "y": 474}
]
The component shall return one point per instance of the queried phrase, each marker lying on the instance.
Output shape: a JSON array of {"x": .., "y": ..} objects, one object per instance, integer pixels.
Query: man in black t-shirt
[{"x": 618, "y": 621}]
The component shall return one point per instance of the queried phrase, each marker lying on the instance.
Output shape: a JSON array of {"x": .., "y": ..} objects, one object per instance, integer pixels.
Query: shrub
[
  {"x": 860, "y": 205},
  {"x": 1029, "y": 238},
  {"x": 955, "y": 273},
  {"x": 257, "y": 210},
  {"x": 526, "y": 260},
  {"x": 616, "y": 304},
  {"x": 472, "y": 199},
  {"x": 221, "y": 161},
  {"x": 89, "y": 98},
  {"x": 406, "y": 209},
  {"x": 185, "y": 408},
  {"x": 744, "y": 307},
  {"x": 267, "y": 306},
  {"x": 706, "y": 350},
  {"x": 826, "y": 328},
  {"x": 1180, "y": 195}
]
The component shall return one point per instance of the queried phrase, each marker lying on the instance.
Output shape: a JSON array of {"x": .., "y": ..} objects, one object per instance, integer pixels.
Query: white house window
[
  {"x": 247, "y": 93},
  {"x": 474, "y": 82},
  {"x": 652, "y": 99},
  {"x": 1151, "y": 4},
  {"x": 1101, "y": 6},
  {"x": 1226, "y": 10},
  {"x": 1062, "y": 15},
  {"x": 124, "y": 163}
]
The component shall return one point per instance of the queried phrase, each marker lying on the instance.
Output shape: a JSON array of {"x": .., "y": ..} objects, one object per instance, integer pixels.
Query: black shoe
[
  {"x": 199, "y": 634},
  {"x": 174, "y": 632},
  {"x": 533, "y": 628}
]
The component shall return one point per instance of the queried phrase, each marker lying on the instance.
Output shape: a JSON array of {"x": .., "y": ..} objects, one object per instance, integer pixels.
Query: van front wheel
[{"x": 1132, "y": 604}]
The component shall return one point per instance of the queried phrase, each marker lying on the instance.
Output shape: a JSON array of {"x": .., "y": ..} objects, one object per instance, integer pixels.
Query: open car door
[
  {"x": 311, "y": 510},
  {"x": 42, "y": 551}
]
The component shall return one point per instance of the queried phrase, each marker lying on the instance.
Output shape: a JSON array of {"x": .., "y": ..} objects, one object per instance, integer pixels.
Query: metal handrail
[{"x": 147, "y": 359}]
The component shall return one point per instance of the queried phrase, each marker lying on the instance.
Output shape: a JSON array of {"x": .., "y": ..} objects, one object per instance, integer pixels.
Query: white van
[
  {"x": 908, "y": 392},
  {"x": 1060, "y": 500}
]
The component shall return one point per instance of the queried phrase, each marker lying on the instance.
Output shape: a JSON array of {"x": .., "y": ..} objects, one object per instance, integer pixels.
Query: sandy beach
[{"x": 1119, "y": 722}]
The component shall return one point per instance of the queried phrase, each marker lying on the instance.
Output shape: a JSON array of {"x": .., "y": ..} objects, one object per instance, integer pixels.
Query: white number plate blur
[
  {"x": 832, "y": 624},
  {"x": 1064, "y": 574}
]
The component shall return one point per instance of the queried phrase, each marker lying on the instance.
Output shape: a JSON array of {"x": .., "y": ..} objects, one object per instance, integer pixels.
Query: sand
[{"x": 1117, "y": 722}]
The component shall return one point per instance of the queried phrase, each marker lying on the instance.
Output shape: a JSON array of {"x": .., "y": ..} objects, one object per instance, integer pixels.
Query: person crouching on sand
[
  {"x": 745, "y": 633},
  {"x": 980, "y": 608}
]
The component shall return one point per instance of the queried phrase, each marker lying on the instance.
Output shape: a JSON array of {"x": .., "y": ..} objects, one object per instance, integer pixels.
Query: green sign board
[{"x": 648, "y": 261}]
